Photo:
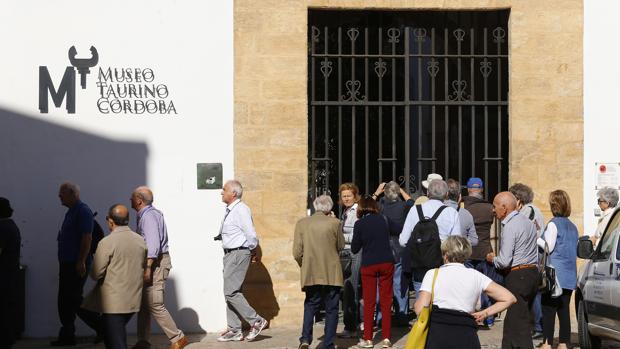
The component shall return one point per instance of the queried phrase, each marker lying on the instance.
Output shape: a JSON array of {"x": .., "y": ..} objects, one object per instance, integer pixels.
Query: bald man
[
  {"x": 518, "y": 257},
  {"x": 152, "y": 227},
  {"x": 118, "y": 269}
]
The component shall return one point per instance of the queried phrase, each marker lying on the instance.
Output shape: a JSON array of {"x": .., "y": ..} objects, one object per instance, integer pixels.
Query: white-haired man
[
  {"x": 316, "y": 245},
  {"x": 446, "y": 220},
  {"x": 239, "y": 242}
]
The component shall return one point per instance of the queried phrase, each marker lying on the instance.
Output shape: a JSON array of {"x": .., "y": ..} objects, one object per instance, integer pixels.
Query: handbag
[
  {"x": 419, "y": 331},
  {"x": 549, "y": 282}
]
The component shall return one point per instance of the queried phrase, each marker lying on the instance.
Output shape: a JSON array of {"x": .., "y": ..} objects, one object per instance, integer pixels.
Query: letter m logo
[{"x": 66, "y": 88}]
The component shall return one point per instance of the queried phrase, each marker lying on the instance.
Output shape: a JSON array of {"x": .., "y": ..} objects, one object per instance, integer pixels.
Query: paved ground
[{"x": 286, "y": 338}]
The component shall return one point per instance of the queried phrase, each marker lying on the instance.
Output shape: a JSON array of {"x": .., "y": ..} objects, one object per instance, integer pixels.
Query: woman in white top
[
  {"x": 457, "y": 290},
  {"x": 607, "y": 199}
]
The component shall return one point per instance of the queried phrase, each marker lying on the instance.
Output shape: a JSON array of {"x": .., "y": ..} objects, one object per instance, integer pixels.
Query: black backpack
[
  {"x": 424, "y": 243},
  {"x": 97, "y": 235}
]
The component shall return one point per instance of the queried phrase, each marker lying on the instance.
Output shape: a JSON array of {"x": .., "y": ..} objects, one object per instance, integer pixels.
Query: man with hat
[
  {"x": 482, "y": 212},
  {"x": 431, "y": 177}
]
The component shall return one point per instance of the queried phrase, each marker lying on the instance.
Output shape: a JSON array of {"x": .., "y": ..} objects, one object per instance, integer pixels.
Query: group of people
[
  {"x": 130, "y": 270},
  {"x": 380, "y": 247},
  {"x": 440, "y": 246}
]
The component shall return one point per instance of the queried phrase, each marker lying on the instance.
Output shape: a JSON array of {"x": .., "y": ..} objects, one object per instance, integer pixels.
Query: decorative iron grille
[{"x": 395, "y": 95}]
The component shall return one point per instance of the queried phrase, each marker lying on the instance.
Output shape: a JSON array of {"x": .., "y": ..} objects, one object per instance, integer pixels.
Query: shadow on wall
[
  {"x": 258, "y": 290},
  {"x": 35, "y": 157},
  {"x": 185, "y": 318}
]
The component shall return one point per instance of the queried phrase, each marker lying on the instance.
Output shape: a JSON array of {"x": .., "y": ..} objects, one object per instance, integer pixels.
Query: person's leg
[
  {"x": 401, "y": 301},
  {"x": 92, "y": 319},
  {"x": 156, "y": 303},
  {"x": 386, "y": 272},
  {"x": 538, "y": 313},
  {"x": 115, "y": 333},
  {"x": 311, "y": 304},
  {"x": 144, "y": 315},
  {"x": 348, "y": 306},
  {"x": 517, "y": 328},
  {"x": 68, "y": 284},
  {"x": 331, "y": 297},
  {"x": 369, "y": 289},
  {"x": 548, "y": 305},
  {"x": 236, "y": 266},
  {"x": 564, "y": 315},
  {"x": 356, "y": 265}
]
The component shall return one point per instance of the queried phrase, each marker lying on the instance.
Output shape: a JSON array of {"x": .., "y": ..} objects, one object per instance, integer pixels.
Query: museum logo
[{"x": 120, "y": 90}]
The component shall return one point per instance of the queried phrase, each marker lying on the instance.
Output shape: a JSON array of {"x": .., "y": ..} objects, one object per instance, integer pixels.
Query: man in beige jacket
[
  {"x": 316, "y": 244},
  {"x": 118, "y": 268}
]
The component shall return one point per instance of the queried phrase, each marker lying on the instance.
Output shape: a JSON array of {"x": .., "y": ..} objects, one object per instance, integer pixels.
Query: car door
[
  {"x": 615, "y": 286},
  {"x": 598, "y": 290}
]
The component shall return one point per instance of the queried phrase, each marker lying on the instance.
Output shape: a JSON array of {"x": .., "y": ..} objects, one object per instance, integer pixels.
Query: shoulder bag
[{"x": 419, "y": 331}]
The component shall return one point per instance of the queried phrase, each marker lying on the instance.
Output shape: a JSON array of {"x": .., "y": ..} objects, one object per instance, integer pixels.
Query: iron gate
[{"x": 395, "y": 95}]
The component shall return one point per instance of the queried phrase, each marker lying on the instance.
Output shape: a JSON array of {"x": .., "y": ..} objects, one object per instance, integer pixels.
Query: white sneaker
[
  {"x": 386, "y": 343},
  {"x": 365, "y": 344},
  {"x": 256, "y": 329},
  {"x": 231, "y": 336}
]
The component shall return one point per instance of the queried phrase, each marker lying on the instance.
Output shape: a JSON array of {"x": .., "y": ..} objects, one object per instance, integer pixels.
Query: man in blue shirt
[{"x": 74, "y": 239}]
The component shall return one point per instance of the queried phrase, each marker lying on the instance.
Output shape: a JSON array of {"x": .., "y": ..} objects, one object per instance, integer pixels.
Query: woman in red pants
[{"x": 371, "y": 235}]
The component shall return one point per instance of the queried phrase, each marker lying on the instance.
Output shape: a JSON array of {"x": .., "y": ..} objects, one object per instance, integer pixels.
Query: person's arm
[
  {"x": 339, "y": 236},
  {"x": 506, "y": 251},
  {"x": 503, "y": 299},
  {"x": 298, "y": 248},
  {"x": 85, "y": 226},
  {"x": 356, "y": 242},
  {"x": 549, "y": 236},
  {"x": 410, "y": 222},
  {"x": 378, "y": 191},
  {"x": 247, "y": 226},
  {"x": 101, "y": 261},
  {"x": 424, "y": 300},
  {"x": 150, "y": 232},
  {"x": 472, "y": 236},
  {"x": 456, "y": 227},
  {"x": 406, "y": 196}
]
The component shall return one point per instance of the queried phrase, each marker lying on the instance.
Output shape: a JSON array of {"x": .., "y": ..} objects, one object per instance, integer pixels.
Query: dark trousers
[
  {"x": 70, "y": 287},
  {"x": 114, "y": 330},
  {"x": 561, "y": 306},
  {"x": 382, "y": 275},
  {"x": 523, "y": 284},
  {"x": 351, "y": 295},
  {"x": 7, "y": 315},
  {"x": 317, "y": 296}
]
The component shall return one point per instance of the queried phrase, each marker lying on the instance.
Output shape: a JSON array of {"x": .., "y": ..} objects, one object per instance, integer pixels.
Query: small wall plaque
[{"x": 209, "y": 176}]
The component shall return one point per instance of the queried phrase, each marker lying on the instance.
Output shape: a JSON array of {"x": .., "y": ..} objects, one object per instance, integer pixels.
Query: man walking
[
  {"x": 152, "y": 227},
  {"x": 74, "y": 239},
  {"x": 10, "y": 247},
  {"x": 316, "y": 246},
  {"x": 118, "y": 268},
  {"x": 239, "y": 241},
  {"x": 518, "y": 256}
]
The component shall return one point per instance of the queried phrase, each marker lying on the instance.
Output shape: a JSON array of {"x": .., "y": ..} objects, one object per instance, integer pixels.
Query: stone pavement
[{"x": 286, "y": 338}]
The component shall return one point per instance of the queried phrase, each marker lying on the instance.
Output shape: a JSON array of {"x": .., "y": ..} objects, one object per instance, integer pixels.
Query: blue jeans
[
  {"x": 316, "y": 295},
  {"x": 489, "y": 270},
  {"x": 538, "y": 315}
]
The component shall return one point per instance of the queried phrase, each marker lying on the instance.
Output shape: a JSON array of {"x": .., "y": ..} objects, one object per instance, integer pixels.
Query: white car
[{"x": 597, "y": 297}]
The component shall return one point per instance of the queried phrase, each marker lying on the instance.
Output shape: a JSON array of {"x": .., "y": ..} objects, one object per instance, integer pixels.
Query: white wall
[
  {"x": 189, "y": 46},
  {"x": 601, "y": 93}
]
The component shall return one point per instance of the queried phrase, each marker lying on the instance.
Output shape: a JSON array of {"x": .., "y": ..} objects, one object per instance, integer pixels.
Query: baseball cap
[{"x": 474, "y": 183}]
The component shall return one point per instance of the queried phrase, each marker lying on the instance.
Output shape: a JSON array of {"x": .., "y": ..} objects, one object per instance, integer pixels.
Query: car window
[{"x": 606, "y": 242}]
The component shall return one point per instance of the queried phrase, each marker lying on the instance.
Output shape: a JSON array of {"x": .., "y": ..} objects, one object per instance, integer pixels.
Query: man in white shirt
[
  {"x": 448, "y": 222},
  {"x": 239, "y": 242}
]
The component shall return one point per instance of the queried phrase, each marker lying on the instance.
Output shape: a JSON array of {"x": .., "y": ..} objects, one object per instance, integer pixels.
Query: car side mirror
[{"x": 585, "y": 248}]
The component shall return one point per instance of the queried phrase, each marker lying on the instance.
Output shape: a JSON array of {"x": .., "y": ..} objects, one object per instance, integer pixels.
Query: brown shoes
[{"x": 180, "y": 344}]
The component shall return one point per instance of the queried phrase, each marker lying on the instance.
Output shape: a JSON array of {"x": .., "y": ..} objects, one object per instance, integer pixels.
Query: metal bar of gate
[
  {"x": 407, "y": 143},
  {"x": 339, "y": 109},
  {"x": 347, "y": 55},
  {"x": 499, "y": 117},
  {"x": 420, "y": 134},
  {"x": 433, "y": 109},
  {"x": 473, "y": 108},
  {"x": 486, "y": 123},
  {"x": 459, "y": 41},
  {"x": 379, "y": 163},
  {"x": 325, "y": 97},
  {"x": 353, "y": 126},
  {"x": 366, "y": 126},
  {"x": 446, "y": 148},
  {"x": 394, "y": 111}
]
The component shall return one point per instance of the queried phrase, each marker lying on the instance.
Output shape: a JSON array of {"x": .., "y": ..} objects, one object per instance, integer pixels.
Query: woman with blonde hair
[{"x": 455, "y": 294}]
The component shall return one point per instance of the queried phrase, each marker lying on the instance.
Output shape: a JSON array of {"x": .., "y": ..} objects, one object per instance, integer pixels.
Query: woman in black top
[{"x": 371, "y": 234}]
